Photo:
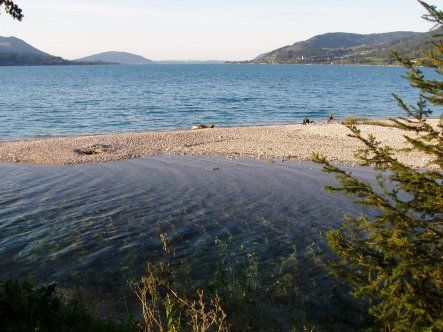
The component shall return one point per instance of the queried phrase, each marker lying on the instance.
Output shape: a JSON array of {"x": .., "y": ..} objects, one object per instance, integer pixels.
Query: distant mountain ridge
[
  {"x": 345, "y": 39},
  {"x": 15, "y": 45},
  {"x": 117, "y": 57},
  {"x": 349, "y": 48},
  {"x": 16, "y": 52}
]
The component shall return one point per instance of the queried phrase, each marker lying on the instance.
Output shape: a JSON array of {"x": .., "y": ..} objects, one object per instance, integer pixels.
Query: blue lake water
[
  {"x": 67, "y": 100},
  {"x": 93, "y": 226}
]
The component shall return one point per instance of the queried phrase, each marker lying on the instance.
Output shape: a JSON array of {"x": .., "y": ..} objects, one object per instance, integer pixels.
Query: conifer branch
[{"x": 393, "y": 257}]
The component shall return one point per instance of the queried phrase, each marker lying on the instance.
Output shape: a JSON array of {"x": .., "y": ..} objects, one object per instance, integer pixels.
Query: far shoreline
[
  {"x": 318, "y": 64},
  {"x": 163, "y": 63},
  {"x": 267, "y": 142}
]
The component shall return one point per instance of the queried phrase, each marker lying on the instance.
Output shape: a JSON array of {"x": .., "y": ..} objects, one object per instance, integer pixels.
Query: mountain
[
  {"x": 16, "y": 52},
  {"x": 15, "y": 45},
  {"x": 349, "y": 48},
  {"x": 29, "y": 59},
  {"x": 117, "y": 57}
]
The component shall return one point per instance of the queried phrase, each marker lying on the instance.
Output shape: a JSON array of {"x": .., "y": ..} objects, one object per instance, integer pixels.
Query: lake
[
  {"x": 93, "y": 226},
  {"x": 72, "y": 100}
]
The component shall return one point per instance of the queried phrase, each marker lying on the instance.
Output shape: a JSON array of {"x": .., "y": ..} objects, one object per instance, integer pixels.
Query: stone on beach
[
  {"x": 201, "y": 126},
  {"x": 94, "y": 149}
]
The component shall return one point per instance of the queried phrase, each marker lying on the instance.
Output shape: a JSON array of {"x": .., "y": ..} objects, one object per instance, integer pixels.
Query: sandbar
[{"x": 293, "y": 141}]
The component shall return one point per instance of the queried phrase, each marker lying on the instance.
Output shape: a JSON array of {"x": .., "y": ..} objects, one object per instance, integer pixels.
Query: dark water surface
[
  {"x": 70, "y": 100},
  {"x": 94, "y": 225}
]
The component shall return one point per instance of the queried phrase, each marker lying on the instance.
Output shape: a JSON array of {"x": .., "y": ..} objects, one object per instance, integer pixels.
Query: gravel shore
[{"x": 264, "y": 142}]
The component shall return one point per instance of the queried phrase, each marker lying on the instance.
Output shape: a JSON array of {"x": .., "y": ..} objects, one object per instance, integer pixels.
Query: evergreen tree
[
  {"x": 394, "y": 258},
  {"x": 12, "y": 9}
]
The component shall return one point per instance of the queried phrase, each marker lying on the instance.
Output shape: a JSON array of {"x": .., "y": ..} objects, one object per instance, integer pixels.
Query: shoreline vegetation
[{"x": 282, "y": 142}]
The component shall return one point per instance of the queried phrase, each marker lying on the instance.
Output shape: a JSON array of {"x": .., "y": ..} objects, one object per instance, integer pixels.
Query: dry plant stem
[
  {"x": 148, "y": 299},
  {"x": 203, "y": 319}
]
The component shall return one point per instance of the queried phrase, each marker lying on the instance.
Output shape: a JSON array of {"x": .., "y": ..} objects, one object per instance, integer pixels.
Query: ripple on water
[
  {"x": 68, "y": 100},
  {"x": 96, "y": 224}
]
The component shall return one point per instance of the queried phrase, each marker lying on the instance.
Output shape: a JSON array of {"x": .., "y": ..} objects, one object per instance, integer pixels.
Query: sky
[{"x": 199, "y": 29}]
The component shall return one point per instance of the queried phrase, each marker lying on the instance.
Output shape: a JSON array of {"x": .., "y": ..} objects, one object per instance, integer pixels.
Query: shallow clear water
[
  {"x": 67, "y": 100},
  {"x": 93, "y": 226}
]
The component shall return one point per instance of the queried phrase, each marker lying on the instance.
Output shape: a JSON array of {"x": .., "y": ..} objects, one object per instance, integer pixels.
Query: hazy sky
[{"x": 199, "y": 29}]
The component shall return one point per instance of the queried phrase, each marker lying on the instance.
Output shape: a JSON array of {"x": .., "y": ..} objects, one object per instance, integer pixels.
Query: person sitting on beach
[
  {"x": 331, "y": 118},
  {"x": 306, "y": 121}
]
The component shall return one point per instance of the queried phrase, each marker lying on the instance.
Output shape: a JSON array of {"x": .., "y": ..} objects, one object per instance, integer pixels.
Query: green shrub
[
  {"x": 394, "y": 260},
  {"x": 24, "y": 307}
]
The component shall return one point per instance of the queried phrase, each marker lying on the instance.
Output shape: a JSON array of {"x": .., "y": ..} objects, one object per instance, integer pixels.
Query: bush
[
  {"x": 394, "y": 260},
  {"x": 24, "y": 307}
]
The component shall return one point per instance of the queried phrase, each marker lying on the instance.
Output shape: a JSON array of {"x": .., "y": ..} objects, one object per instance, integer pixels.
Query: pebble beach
[{"x": 262, "y": 142}]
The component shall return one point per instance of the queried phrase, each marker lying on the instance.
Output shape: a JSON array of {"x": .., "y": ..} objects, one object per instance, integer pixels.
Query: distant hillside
[
  {"x": 349, "y": 48},
  {"x": 16, "y": 52},
  {"x": 117, "y": 57},
  {"x": 15, "y": 45},
  {"x": 29, "y": 59}
]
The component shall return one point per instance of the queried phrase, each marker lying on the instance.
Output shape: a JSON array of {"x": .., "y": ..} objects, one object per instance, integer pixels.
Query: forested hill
[
  {"x": 16, "y": 52},
  {"x": 15, "y": 45},
  {"x": 350, "y": 48}
]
